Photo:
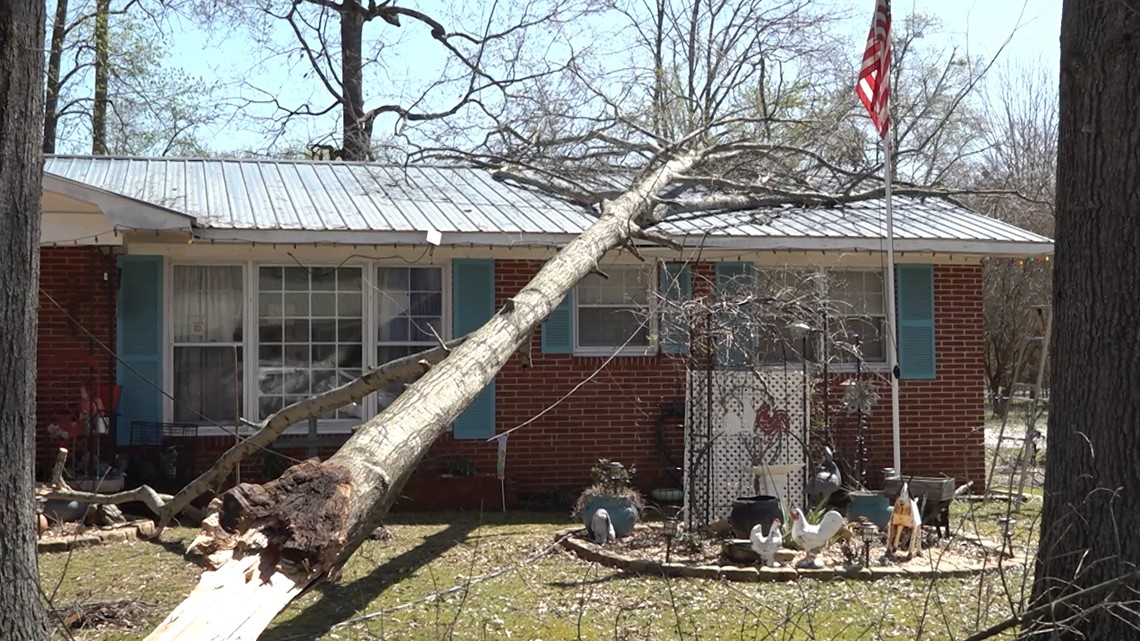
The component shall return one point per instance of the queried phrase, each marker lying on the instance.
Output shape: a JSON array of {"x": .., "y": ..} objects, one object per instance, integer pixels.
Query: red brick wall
[
  {"x": 942, "y": 420},
  {"x": 67, "y": 356},
  {"x": 615, "y": 414}
]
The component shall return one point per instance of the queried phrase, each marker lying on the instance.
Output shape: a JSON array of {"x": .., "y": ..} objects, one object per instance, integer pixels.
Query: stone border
[
  {"x": 590, "y": 551},
  {"x": 139, "y": 529}
]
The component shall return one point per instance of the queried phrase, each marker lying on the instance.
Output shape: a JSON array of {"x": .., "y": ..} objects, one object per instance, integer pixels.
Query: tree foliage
[{"x": 147, "y": 106}]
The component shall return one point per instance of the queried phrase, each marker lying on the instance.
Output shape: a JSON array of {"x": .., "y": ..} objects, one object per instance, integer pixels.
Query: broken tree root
[{"x": 265, "y": 545}]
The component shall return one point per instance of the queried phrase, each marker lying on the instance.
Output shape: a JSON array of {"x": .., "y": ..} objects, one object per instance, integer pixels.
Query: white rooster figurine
[
  {"x": 812, "y": 538},
  {"x": 767, "y": 546},
  {"x": 602, "y": 528}
]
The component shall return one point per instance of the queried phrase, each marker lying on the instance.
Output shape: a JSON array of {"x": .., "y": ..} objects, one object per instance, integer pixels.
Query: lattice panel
[{"x": 734, "y": 420}]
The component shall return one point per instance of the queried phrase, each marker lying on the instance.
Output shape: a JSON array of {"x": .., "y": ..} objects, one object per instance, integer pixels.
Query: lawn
[{"x": 545, "y": 593}]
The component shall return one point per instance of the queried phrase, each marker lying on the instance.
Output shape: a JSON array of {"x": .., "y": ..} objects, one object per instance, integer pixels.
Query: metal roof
[{"x": 306, "y": 201}]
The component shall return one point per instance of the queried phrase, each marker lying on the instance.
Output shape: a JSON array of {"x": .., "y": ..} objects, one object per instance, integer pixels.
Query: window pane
[
  {"x": 348, "y": 279},
  {"x": 297, "y": 305},
  {"x": 625, "y": 286},
  {"x": 269, "y": 279},
  {"x": 296, "y": 279},
  {"x": 323, "y": 279},
  {"x": 388, "y": 393},
  {"x": 349, "y": 305},
  {"x": 426, "y": 279},
  {"x": 206, "y": 303},
  {"x": 324, "y": 305},
  {"x": 610, "y": 327},
  {"x": 612, "y": 309},
  {"x": 409, "y": 302},
  {"x": 312, "y": 339},
  {"x": 207, "y": 384}
]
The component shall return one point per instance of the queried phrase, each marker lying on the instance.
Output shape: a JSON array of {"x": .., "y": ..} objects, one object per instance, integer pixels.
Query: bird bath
[{"x": 774, "y": 478}]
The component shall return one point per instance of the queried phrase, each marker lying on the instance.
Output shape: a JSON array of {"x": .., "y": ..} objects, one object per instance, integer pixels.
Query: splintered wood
[
  {"x": 234, "y": 602},
  {"x": 265, "y": 545}
]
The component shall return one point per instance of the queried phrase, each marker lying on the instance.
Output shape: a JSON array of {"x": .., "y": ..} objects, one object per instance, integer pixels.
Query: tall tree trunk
[
  {"x": 102, "y": 75},
  {"x": 357, "y": 131},
  {"x": 268, "y": 543},
  {"x": 1092, "y": 483},
  {"x": 21, "y": 172},
  {"x": 55, "y": 55}
]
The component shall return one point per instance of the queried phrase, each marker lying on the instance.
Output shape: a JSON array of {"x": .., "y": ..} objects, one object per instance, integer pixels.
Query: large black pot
[{"x": 749, "y": 511}]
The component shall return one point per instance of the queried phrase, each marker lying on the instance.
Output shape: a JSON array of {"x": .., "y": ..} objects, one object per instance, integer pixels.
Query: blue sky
[{"x": 975, "y": 27}]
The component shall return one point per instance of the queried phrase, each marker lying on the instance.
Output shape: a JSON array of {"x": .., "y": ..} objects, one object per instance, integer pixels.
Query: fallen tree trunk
[{"x": 263, "y": 554}]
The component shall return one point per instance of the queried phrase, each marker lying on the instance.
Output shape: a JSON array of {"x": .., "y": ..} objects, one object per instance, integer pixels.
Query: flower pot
[
  {"x": 872, "y": 504},
  {"x": 750, "y": 511},
  {"x": 622, "y": 511}
]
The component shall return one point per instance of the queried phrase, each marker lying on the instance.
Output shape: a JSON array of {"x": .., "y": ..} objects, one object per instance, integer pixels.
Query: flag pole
[{"x": 892, "y": 333}]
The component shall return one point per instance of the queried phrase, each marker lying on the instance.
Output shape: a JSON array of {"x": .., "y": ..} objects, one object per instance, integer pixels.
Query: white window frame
[
  {"x": 797, "y": 358},
  {"x": 325, "y": 426},
  {"x": 373, "y": 286},
  {"x": 650, "y": 348},
  {"x": 251, "y": 343},
  {"x": 204, "y": 428},
  {"x": 868, "y": 365}
]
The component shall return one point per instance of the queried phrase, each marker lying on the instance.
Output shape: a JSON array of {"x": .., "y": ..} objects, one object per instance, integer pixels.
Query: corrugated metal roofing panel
[{"x": 303, "y": 196}]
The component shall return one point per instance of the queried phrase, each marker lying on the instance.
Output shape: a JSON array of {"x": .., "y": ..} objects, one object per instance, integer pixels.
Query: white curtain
[{"x": 206, "y": 303}]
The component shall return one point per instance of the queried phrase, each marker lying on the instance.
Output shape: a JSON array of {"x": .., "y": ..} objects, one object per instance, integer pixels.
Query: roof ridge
[{"x": 290, "y": 161}]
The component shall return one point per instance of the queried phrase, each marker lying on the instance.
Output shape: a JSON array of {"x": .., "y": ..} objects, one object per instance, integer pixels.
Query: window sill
[
  {"x": 868, "y": 368},
  {"x": 301, "y": 429},
  {"x": 606, "y": 352}
]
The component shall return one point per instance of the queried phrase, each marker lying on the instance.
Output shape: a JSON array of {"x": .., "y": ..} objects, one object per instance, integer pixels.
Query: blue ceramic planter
[
  {"x": 873, "y": 505},
  {"x": 623, "y": 514}
]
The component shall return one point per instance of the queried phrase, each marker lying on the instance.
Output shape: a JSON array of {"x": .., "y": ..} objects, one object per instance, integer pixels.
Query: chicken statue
[
  {"x": 906, "y": 517},
  {"x": 813, "y": 538},
  {"x": 767, "y": 546},
  {"x": 602, "y": 528}
]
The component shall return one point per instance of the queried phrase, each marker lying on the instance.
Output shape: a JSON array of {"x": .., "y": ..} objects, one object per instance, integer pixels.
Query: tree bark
[
  {"x": 1092, "y": 483},
  {"x": 102, "y": 75},
  {"x": 269, "y": 543},
  {"x": 55, "y": 56},
  {"x": 357, "y": 131},
  {"x": 21, "y": 169}
]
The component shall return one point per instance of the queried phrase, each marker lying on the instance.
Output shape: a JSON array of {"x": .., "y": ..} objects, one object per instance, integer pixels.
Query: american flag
[{"x": 874, "y": 86}]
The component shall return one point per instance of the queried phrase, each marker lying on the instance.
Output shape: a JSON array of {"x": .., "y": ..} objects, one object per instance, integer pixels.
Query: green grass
[{"x": 555, "y": 597}]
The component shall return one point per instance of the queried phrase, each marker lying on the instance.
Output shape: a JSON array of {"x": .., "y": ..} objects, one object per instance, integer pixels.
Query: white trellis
[{"x": 724, "y": 438}]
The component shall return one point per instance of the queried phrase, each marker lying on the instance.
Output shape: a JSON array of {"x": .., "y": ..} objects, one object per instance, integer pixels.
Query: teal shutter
[
  {"x": 138, "y": 343},
  {"x": 558, "y": 328},
  {"x": 735, "y": 346},
  {"x": 916, "y": 321},
  {"x": 676, "y": 287},
  {"x": 473, "y": 303}
]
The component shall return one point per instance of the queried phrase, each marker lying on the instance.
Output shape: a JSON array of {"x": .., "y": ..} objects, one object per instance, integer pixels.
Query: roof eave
[
  {"x": 744, "y": 243},
  {"x": 125, "y": 212}
]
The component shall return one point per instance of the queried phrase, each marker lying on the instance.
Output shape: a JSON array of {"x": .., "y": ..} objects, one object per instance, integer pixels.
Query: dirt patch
[{"x": 126, "y": 613}]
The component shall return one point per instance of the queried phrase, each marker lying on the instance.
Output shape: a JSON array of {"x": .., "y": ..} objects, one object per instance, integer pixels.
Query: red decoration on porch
[{"x": 771, "y": 422}]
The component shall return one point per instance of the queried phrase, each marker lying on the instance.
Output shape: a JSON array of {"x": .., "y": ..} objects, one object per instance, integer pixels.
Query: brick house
[{"x": 209, "y": 290}]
